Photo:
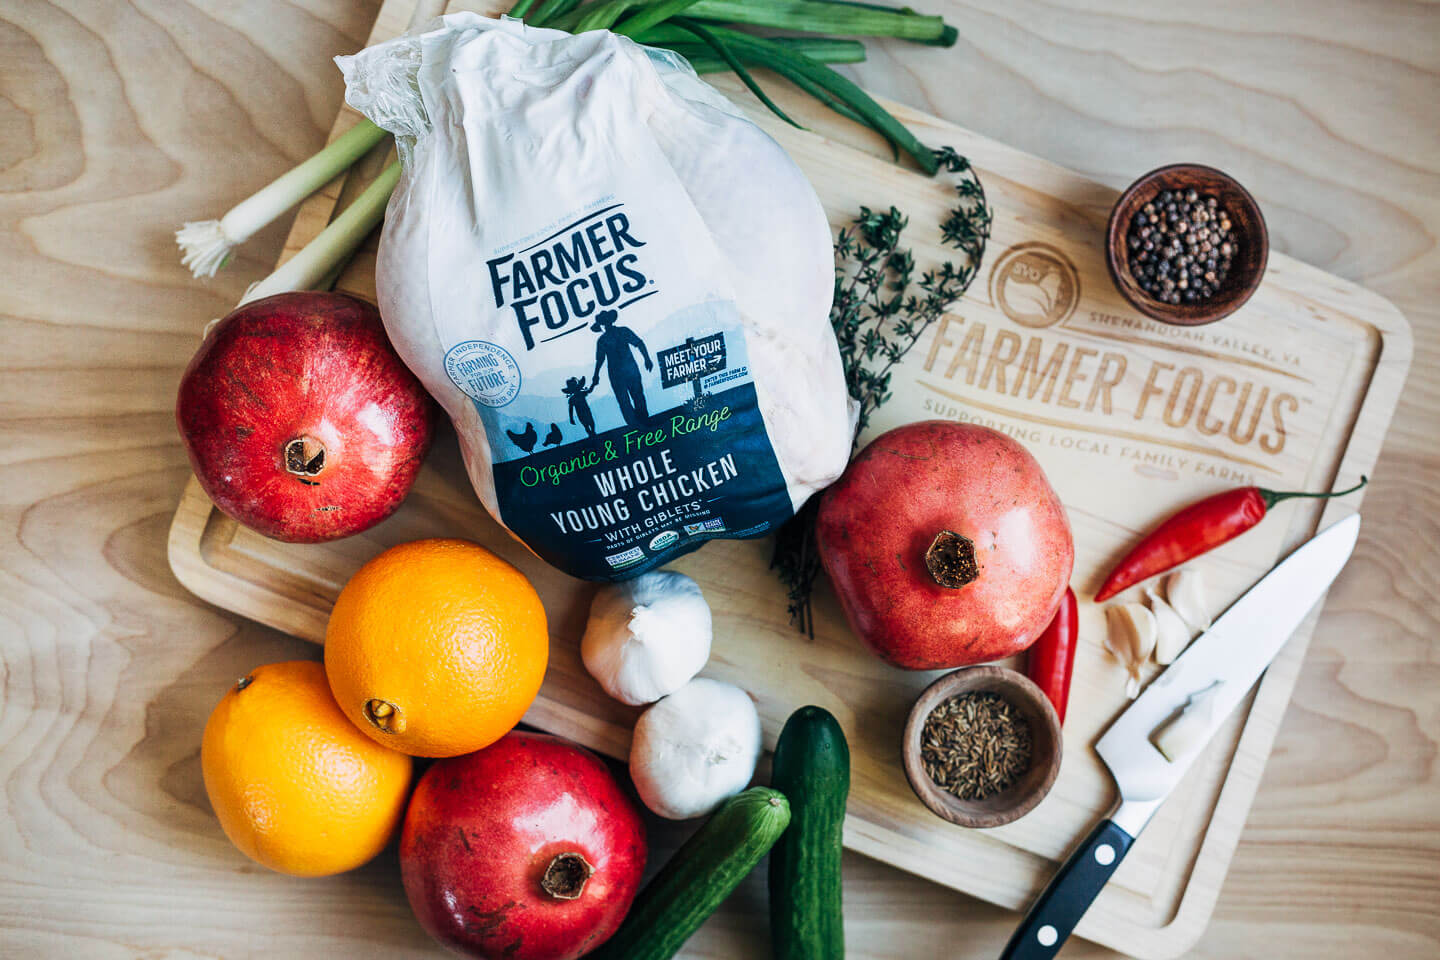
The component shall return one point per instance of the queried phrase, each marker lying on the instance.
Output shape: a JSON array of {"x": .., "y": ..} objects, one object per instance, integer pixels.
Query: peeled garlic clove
[
  {"x": 647, "y": 637},
  {"x": 1189, "y": 728},
  {"x": 1172, "y": 636},
  {"x": 1130, "y": 639},
  {"x": 1185, "y": 589}
]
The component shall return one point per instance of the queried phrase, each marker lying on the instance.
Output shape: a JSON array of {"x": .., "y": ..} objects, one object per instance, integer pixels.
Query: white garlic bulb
[
  {"x": 695, "y": 748},
  {"x": 1172, "y": 636},
  {"x": 647, "y": 637},
  {"x": 1185, "y": 589},
  {"x": 1130, "y": 640}
]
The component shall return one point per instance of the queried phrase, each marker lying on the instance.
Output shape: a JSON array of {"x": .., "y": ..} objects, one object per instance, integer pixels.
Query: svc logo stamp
[{"x": 1035, "y": 285}]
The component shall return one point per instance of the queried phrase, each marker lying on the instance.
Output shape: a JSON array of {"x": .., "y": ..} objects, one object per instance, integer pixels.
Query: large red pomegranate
[
  {"x": 300, "y": 419},
  {"x": 946, "y": 545},
  {"x": 526, "y": 850}
]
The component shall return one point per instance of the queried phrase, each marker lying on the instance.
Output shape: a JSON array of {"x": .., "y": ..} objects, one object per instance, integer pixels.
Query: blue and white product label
[{"x": 621, "y": 413}]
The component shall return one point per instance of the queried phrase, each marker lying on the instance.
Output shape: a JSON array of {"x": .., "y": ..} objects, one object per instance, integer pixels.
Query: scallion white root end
[{"x": 204, "y": 246}]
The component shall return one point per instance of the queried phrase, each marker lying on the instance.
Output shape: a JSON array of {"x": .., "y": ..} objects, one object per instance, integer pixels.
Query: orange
[
  {"x": 436, "y": 647},
  {"x": 295, "y": 785}
]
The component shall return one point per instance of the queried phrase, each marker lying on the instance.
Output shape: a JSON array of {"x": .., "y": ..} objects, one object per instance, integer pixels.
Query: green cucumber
[
  {"x": 699, "y": 877},
  {"x": 812, "y": 768}
]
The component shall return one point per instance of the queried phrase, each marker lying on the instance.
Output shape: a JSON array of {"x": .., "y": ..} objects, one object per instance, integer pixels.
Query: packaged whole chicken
[{"x": 616, "y": 285}]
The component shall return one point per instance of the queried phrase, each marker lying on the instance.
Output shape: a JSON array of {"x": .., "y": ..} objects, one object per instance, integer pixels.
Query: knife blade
[{"x": 1213, "y": 675}]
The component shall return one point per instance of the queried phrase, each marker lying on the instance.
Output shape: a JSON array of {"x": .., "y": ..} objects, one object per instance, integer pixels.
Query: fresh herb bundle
[{"x": 879, "y": 313}]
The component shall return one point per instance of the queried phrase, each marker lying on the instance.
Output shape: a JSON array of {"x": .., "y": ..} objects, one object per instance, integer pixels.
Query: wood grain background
[{"x": 118, "y": 120}]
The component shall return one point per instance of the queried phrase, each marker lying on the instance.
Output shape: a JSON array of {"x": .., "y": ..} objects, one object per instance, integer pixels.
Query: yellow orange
[
  {"x": 436, "y": 647},
  {"x": 296, "y": 787}
]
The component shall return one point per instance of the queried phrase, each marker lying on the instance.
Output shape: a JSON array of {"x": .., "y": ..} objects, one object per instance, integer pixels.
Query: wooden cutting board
[{"x": 1130, "y": 419}]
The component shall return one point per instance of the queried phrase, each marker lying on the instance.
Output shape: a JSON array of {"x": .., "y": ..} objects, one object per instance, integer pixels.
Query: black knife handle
[{"x": 1069, "y": 894}]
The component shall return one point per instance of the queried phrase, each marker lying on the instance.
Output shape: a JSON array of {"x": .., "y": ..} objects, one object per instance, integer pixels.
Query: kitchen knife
[{"x": 1203, "y": 685}]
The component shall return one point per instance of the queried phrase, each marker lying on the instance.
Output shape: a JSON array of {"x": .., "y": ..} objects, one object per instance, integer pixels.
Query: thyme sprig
[{"x": 879, "y": 313}]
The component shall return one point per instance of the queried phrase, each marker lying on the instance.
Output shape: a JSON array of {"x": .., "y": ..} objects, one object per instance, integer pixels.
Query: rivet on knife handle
[{"x": 1069, "y": 894}]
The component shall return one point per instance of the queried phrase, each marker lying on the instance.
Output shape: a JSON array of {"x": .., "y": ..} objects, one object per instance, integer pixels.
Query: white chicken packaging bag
[{"x": 616, "y": 285}]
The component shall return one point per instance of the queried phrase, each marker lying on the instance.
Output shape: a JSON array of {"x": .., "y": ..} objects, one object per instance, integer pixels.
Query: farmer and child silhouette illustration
[
  {"x": 613, "y": 346},
  {"x": 613, "y": 350}
]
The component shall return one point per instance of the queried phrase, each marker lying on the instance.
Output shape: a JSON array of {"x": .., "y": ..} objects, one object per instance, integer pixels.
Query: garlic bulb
[
  {"x": 1130, "y": 639},
  {"x": 1172, "y": 636},
  {"x": 647, "y": 637},
  {"x": 1185, "y": 589},
  {"x": 695, "y": 748},
  {"x": 1190, "y": 727}
]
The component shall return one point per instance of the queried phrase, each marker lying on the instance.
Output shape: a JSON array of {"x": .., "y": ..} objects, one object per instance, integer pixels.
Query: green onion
[
  {"x": 947, "y": 37},
  {"x": 828, "y": 99},
  {"x": 734, "y": 62},
  {"x": 801, "y": 60},
  {"x": 549, "y": 10},
  {"x": 804, "y": 16},
  {"x": 824, "y": 16},
  {"x": 321, "y": 257},
  {"x": 654, "y": 15},
  {"x": 823, "y": 49},
  {"x": 601, "y": 16},
  {"x": 206, "y": 245},
  {"x": 808, "y": 74}
]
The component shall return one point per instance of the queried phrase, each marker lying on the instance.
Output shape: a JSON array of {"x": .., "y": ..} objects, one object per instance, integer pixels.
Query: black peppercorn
[{"x": 1180, "y": 246}]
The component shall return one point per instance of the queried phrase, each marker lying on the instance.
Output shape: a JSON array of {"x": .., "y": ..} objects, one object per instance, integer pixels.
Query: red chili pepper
[
  {"x": 1051, "y": 659},
  {"x": 1198, "y": 528}
]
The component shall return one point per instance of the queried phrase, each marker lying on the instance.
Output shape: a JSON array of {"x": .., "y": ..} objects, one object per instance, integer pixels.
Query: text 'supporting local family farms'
[{"x": 624, "y": 291}]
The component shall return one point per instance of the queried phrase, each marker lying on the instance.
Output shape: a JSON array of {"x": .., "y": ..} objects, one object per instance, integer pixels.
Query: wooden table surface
[{"x": 119, "y": 120}]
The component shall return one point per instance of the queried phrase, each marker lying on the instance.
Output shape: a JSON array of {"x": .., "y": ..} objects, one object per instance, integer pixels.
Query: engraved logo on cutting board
[{"x": 1035, "y": 285}]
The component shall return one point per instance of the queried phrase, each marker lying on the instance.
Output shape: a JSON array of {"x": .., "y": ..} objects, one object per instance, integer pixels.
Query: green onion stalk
[
  {"x": 681, "y": 25},
  {"x": 801, "y": 16},
  {"x": 820, "y": 49},
  {"x": 206, "y": 245},
  {"x": 702, "y": 31},
  {"x": 318, "y": 262}
]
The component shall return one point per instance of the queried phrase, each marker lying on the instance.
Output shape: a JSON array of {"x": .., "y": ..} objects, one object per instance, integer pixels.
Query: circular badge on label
[
  {"x": 1035, "y": 285},
  {"x": 664, "y": 539},
  {"x": 485, "y": 371}
]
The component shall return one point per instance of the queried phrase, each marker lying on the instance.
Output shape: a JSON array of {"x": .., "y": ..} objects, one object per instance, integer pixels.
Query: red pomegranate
[
  {"x": 300, "y": 419},
  {"x": 946, "y": 545},
  {"x": 526, "y": 850}
]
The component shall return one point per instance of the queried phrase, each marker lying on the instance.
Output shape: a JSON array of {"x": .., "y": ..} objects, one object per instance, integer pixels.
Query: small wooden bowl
[
  {"x": 1022, "y": 796},
  {"x": 1248, "y": 225}
]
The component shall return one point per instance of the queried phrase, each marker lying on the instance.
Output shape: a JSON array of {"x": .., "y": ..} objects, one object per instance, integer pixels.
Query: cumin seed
[{"x": 975, "y": 745}]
